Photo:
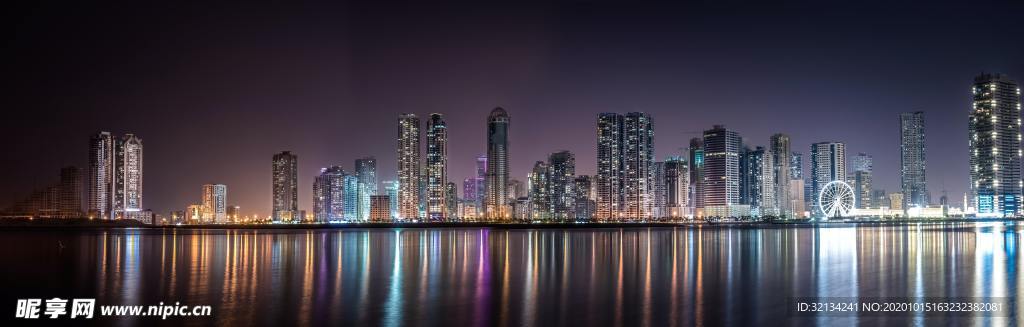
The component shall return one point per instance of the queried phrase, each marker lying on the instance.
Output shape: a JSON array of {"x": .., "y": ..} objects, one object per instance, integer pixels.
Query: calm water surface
[{"x": 498, "y": 277}]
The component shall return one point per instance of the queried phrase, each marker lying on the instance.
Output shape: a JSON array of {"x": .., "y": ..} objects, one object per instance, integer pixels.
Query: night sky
[{"x": 214, "y": 90}]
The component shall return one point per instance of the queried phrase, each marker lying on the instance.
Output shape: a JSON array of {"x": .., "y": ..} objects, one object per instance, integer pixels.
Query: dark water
[{"x": 487, "y": 277}]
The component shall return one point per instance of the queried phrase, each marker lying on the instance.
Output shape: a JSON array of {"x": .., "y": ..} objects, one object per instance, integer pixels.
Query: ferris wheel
[{"x": 836, "y": 199}]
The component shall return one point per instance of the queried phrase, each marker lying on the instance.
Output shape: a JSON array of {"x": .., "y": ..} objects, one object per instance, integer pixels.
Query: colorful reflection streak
[{"x": 488, "y": 277}]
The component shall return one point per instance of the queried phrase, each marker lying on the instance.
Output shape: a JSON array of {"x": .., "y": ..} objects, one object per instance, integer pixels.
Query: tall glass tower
[
  {"x": 496, "y": 189},
  {"x": 994, "y": 145},
  {"x": 721, "y": 184},
  {"x": 101, "y": 174},
  {"x": 912, "y": 175},
  {"x": 408, "y": 166},
  {"x": 366, "y": 172},
  {"x": 437, "y": 168}
]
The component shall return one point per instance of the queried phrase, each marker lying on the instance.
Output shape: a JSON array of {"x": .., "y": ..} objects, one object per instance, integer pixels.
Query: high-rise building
[
  {"x": 659, "y": 193},
  {"x": 127, "y": 186},
  {"x": 481, "y": 182},
  {"x": 796, "y": 166},
  {"x": 437, "y": 168},
  {"x": 625, "y": 157},
  {"x": 285, "y": 187},
  {"x": 215, "y": 203},
  {"x": 540, "y": 205},
  {"x": 101, "y": 175},
  {"x": 584, "y": 203},
  {"x": 696, "y": 153},
  {"x": 797, "y": 204},
  {"x": 350, "y": 198},
  {"x": 828, "y": 163},
  {"x": 496, "y": 204},
  {"x": 608, "y": 180},
  {"x": 516, "y": 189},
  {"x": 470, "y": 191},
  {"x": 677, "y": 185},
  {"x": 862, "y": 171},
  {"x": 912, "y": 159},
  {"x": 328, "y": 194},
  {"x": 721, "y": 173},
  {"x": 391, "y": 190},
  {"x": 995, "y": 153},
  {"x": 637, "y": 162},
  {"x": 781, "y": 160},
  {"x": 760, "y": 176},
  {"x": 451, "y": 194},
  {"x": 561, "y": 185},
  {"x": 366, "y": 172},
  {"x": 380, "y": 210},
  {"x": 408, "y": 166}
]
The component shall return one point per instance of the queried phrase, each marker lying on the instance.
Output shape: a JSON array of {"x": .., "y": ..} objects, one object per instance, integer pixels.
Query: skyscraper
[
  {"x": 796, "y": 166},
  {"x": 481, "y": 179},
  {"x": 437, "y": 168},
  {"x": 994, "y": 142},
  {"x": 328, "y": 194},
  {"x": 391, "y": 190},
  {"x": 781, "y": 159},
  {"x": 637, "y": 162},
  {"x": 285, "y": 187},
  {"x": 677, "y": 185},
  {"x": 760, "y": 175},
  {"x": 451, "y": 194},
  {"x": 862, "y": 170},
  {"x": 215, "y": 203},
  {"x": 350, "y": 198},
  {"x": 540, "y": 204},
  {"x": 609, "y": 166},
  {"x": 659, "y": 193},
  {"x": 696, "y": 153},
  {"x": 408, "y": 166},
  {"x": 828, "y": 163},
  {"x": 561, "y": 182},
  {"x": 584, "y": 203},
  {"x": 721, "y": 185},
  {"x": 912, "y": 159},
  {"x": 127, "y": 186},
  {"x": 101, "y": 175},
  {"x": 495, "y": 201},
  {"x": 366, "y": 172}
]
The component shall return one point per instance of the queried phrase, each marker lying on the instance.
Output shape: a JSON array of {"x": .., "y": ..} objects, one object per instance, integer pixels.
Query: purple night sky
[{"x": 215, "y": 90}]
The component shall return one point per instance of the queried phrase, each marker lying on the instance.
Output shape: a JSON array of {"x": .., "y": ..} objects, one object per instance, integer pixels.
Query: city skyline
[{"x": 566, "y": 86}]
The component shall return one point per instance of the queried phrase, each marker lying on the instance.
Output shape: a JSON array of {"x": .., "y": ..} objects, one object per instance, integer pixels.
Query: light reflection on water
[{"x": 484, "y": 277}]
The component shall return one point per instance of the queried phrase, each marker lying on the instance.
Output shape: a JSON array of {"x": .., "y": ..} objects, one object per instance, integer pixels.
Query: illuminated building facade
[
  {"x": 328, "y": 194},
  {"x": 861, "y": 180},
  {"x": 994, "y": 143},
  {"x": 285, "y": 173},
  {"x": 437, "y": 168},
  {"x": 496, "y": 206},
  {"x": 677, "y": 185},
  {"x": 828, "y": 163},
  {"x": 781, "y": 159},
  {"x": 561, "y": 185},
  {"x": 912, "y": 160},
  {"x": 540, "y": 204},
  {"x": 366, "y": 172},
  {"x": 408, "y": 166},
  {"x": 721, "y": 174},
  {"x": 215, "y": 203}
]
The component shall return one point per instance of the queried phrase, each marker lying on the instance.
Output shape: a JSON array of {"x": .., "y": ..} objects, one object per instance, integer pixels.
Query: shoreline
[{"x": 61, "y": 224}]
